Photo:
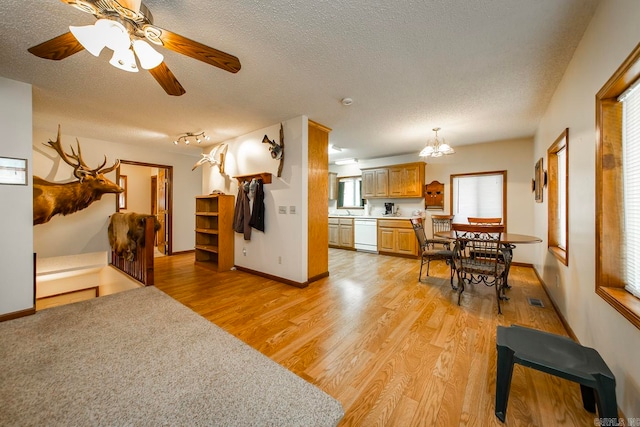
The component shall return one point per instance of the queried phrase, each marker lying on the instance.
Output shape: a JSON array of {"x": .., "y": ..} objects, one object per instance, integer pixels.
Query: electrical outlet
[
  {"x": 557, "y": 280},
  {"x": 292, "y": 210},
  {"x": 282, "y": 210},
  {"x": 279, "y": 260},
  {"x": 244, "y": 251}
]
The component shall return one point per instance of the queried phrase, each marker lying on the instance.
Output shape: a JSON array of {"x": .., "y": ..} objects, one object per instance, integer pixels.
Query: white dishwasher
[{"x": 366, "y": 234}]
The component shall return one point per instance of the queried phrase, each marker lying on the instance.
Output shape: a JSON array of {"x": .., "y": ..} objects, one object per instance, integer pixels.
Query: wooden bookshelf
[{"x": 214, "y": 231}]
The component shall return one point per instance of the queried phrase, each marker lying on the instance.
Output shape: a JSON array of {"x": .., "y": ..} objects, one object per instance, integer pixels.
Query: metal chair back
[
  {"x": 418, "y": 229},
  {"x": 440, "y": 223},
  {"x": 476, "y": 256}
]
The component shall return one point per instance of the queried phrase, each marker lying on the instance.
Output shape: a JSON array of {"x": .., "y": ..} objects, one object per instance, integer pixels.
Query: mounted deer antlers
[{"x": 50, "y": 198}]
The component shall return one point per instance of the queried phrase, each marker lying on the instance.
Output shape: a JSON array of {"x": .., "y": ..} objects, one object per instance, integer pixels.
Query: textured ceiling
[{"x": 480, "y": 70}]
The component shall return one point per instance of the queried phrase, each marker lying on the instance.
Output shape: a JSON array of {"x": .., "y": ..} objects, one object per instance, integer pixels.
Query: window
[
  {"x": 558, "y": 197},
  {"x": 631, "y": 185},
  {"x": 122, "y": 197},
  {"x": 617, "y": 183},
  {"x": 481, "y": 194},
  {"x": 350, "y": 192}
]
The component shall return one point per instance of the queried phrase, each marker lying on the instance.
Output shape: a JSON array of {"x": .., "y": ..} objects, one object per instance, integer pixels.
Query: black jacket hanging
[{"x": 257, "y": 214}]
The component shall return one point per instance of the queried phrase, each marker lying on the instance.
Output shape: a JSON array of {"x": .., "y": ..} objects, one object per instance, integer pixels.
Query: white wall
[
  {"x": 611, "y": 36},
  {"x": 285, "y": 235},
  {"x": 514, "y": 156},
  {"x": 138, "y": 187},
  {"x": 86, "y": 230},
  {"x": 16, "y": 217}
]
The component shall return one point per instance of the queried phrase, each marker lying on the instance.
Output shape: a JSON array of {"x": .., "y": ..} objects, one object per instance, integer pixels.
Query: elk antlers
[{"x": 80, "y": 168}]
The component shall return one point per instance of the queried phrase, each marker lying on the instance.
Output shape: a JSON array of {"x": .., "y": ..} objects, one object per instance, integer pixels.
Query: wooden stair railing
[{"x": 141, "y": 268}]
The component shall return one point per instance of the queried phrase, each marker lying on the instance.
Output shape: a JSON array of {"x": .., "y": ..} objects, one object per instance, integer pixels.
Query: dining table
[{"x": 508, "y": 242}]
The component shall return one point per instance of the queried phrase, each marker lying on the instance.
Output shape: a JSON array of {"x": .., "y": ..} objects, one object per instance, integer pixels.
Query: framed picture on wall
[
  {"x": 13, "y": 171},
  {"x": 538, "y": 181}
]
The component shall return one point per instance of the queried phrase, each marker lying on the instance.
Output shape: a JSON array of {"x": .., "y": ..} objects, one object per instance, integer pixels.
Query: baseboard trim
[
  {"x": 17, "y": 314},
  {"x": 272, "y": 277},
  {"x": 555, "y": 307},
  {"x": 523, "y": 264},
  {"x": 318, "y": 277},
  {"x": 183, "y": 252}
]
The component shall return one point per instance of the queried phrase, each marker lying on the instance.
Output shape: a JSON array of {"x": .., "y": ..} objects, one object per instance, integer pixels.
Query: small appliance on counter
[{"x": 389, "y": 209}]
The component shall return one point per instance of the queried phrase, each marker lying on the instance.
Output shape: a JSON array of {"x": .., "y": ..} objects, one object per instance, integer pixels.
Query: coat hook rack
[{"x": 266, "y": 177}]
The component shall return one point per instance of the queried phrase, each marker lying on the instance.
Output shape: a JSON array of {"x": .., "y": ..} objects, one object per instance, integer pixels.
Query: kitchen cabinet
[
  {"x": 397, "y": 181},
  {"x": 214, "y": 231},
  {"x": 341, "y": 233},
  {"x": 333, "y": 185},
  {"x": 396, "y": 237},
  {"x": 375, "y": 183}
]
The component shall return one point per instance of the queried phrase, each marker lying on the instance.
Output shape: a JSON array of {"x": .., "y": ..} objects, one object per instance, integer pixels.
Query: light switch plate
[
  {"x": 292, "y": 210},
  {"x": 282, "y": 210}
]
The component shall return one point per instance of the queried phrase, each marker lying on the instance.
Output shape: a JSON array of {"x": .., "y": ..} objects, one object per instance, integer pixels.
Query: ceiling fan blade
[
  {"x": 195, "y": 50},
  {"x": 57, "y": 48},
  {"x": 167, "y": 80}
]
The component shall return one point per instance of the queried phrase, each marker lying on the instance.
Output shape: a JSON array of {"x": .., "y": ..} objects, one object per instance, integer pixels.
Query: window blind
[
  {"x": 477, "y": 196},
  {"x": 562, "y": 197},
  {"x": 631, "y": 186}
]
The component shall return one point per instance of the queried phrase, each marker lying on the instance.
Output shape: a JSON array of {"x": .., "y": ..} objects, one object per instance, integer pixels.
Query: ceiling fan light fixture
[
  {"x": 149, "y": 58},
  {"x": 116, "y": 36},
  {"x": 90, "y": 37},
  {"x": 125, "y": 60}
]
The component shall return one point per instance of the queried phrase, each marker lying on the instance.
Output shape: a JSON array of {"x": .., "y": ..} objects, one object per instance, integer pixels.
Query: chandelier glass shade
[
  {"x": 190, "y": 137},
  {"x": 113, "y": 35},
  {"x": 436, "y": 147}
]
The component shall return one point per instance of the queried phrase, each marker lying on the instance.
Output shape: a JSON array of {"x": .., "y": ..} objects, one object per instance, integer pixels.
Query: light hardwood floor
[{"x": 393, "y": 351}]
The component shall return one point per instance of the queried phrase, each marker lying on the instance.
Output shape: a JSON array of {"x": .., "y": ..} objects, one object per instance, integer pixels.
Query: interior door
[{"x": 162, "y": 210}]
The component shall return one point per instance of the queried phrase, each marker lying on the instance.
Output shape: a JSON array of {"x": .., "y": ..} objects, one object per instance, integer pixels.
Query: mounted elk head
[
  {"x": 215, "y": 157},
  {"x": 50, "y": 198}
]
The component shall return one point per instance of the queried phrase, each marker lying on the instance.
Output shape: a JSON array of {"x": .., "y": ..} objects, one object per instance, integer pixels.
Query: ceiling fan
[{"x": 125, "y": 26}]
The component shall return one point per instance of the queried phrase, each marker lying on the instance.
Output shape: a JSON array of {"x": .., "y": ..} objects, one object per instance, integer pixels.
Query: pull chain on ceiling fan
[{"x": 126, "y": 27}]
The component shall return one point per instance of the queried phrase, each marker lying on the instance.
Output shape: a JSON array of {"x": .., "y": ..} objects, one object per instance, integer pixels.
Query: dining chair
[
  {"x": 432, "y": 249},
  {"x": 440, "y": 223},
  {"x": 476, "y": 258},
  {"x": 484, "y": 220}
]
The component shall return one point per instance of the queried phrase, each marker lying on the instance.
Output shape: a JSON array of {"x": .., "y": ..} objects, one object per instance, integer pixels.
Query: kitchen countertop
[{"x": 371, "y": 216}]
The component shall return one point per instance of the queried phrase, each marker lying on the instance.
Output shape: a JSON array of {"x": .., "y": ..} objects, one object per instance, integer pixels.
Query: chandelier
[
  {"x": 189, "y": 137},
  {"x": 436, "y": 147}
]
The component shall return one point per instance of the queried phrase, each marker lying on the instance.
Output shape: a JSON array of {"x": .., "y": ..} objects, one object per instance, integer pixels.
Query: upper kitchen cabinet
[
  {"x": 333, "y": 185},
  {"x": 397, "y": 181},
  {"x": 375, "y": 183}
]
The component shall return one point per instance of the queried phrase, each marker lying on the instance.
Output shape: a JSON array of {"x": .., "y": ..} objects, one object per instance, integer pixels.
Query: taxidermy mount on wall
[
  {"x": 215, "y": 157},
  {"x": 277, "y": 150},
  {"x": 51, "y": 198}
]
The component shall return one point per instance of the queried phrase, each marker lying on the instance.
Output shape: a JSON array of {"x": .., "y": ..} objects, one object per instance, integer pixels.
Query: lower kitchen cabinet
[
  {"x": 396, "y": 237},
  {"x": 341, "y": 233}
]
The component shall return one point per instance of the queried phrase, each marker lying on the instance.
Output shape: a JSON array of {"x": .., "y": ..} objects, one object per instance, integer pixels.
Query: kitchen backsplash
[{"x": 406, "y": 207}]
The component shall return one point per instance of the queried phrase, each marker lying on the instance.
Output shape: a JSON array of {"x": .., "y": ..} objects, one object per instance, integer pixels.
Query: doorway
[{"x": 149, "y": 190}]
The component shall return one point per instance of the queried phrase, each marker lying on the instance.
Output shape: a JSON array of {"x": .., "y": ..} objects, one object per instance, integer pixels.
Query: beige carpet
[{"x": 139, "y": 358}]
